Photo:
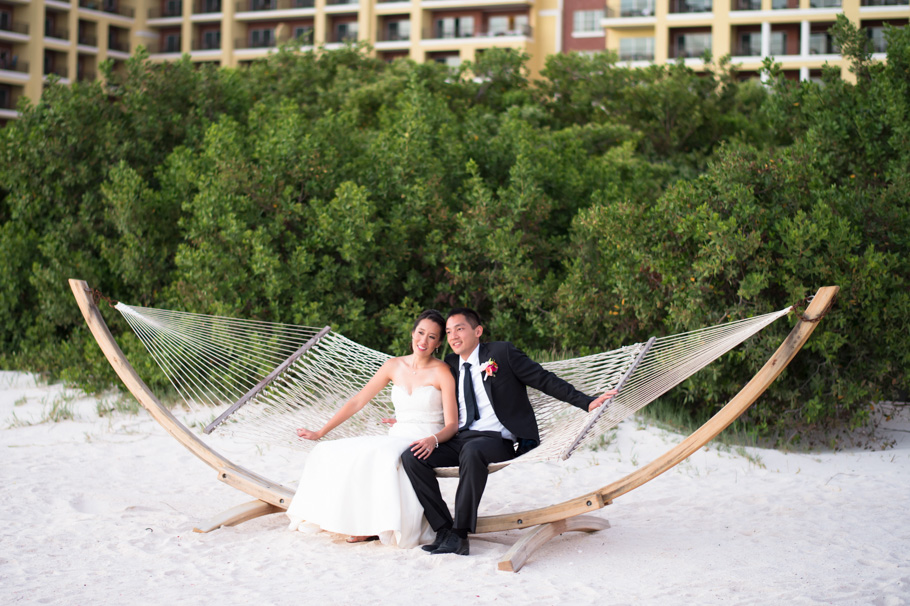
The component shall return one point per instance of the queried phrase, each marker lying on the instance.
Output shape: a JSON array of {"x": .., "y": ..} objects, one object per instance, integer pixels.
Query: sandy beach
[{"x": 99, "y": 509}]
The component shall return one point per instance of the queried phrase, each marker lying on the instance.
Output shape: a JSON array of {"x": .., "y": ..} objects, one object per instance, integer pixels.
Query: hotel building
[{"x": 70, "y": 38}]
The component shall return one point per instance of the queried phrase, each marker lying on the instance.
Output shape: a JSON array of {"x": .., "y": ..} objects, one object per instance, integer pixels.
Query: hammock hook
[
  {"x": 805, "y": 303},
  {"x": 98, "y": 296}
]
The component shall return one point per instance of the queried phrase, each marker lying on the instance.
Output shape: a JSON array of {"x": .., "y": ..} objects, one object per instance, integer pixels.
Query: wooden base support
[
  {"x": 238, "y": 515},
  {"x": 516, "y": 557}
]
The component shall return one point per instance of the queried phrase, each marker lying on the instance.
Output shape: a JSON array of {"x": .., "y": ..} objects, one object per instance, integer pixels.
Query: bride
[{"x": 356, "y": 486}]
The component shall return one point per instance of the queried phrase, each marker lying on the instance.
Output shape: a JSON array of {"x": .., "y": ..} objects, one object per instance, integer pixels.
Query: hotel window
[
  {"x": 749, "y": 45},
  {"x": 878, "y": 43},
  {"x": 211, "y": 40},
  {"x": 399, "y": 30},
  {"x": 778, "y": 45},
  {"x": 262, "y": 38},
  {"x": 304, "y": 34},
  {"x": 587, "y": 21},
  {"x": 636, "y": 49},
  {"x": 6, "y": 20},
  {"x": 172, "y": 43},
  {"x": 692, "y": 45},
  {"x": 346, "y": 31},
  {"x": 212, "y": 6},
  {"x": 173, "y": 8},
  {"x": 821, "y": 43},
  {"x": 455, "y": 27},
  {"x": 636, "y": 8}
]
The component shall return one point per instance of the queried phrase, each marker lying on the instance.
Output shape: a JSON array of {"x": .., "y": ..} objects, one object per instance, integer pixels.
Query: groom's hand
[{"x": 597, "y": 403}]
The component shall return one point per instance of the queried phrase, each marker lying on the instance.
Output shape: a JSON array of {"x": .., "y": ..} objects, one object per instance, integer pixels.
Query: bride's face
[{"x": 425, "y": 338}]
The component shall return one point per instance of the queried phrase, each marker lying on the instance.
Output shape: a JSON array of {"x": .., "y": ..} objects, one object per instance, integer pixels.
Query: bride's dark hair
[{"x": 433, "y": 316}]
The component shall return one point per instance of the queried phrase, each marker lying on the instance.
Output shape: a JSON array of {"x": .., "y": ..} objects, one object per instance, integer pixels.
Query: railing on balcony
[
  {"x": 85, "y": 74},
  {"x": 884, "y": 2},
  {"x": 87, "y": 40},
  {"x": 635, "y": 8},
  {"x": 59, "y": 70},
  {"x": 207, "y": 6},
  {"x": 519, "y": 30},
  {"x": 342, "y": 2},
  {"x": 118, "y": 45},
  {"x": 273, "y": 5},
  {"x": 690, "y": 45},
  {"x": 206, "y": 44},
  {"x": 746, "y": 5},
  {"x": 825, "y": 3},
  {"x": 14, "y": 65},
  {"x": 636, "y": 56},
  {"x": 57, "y": 32},
  {"x": 747, "y": 49},
  {"x": 396, "y": 37},
  {"x": 778, "y": 5},
  {"x": 690, "y": 6},
  {"x": 172, "y": 9},
  {"x": 249, "y": 42},
  {"x": 16, "y": 27},
  {"x": 108, "y": 6}
]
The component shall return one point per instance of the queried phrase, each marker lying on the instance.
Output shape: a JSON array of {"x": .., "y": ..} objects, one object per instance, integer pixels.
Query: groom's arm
[{"x": 534, "y": 375}]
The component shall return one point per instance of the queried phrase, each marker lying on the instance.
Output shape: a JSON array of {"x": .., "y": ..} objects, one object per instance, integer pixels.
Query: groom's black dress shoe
[
  {"x": 452, "y": 543},
  {"x": 440, "y": 535}
]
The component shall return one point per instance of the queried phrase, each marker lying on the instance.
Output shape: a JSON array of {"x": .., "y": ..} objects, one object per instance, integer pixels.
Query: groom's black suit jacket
[{"x": 508, "y": 389}]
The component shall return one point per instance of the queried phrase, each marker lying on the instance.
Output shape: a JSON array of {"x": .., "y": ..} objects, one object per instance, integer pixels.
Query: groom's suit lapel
[{"x": 488, "y": 384}]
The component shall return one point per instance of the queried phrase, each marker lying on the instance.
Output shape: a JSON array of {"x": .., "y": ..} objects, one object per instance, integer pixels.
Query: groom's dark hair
[{"x": 470, "y": 315}]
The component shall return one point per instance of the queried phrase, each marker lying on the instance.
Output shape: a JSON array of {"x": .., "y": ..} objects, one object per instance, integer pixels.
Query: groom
[{"x": 494, "y": 414}]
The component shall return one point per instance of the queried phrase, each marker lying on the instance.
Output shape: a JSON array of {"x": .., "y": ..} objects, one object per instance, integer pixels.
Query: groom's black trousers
[{"x": 471, "y": 452}]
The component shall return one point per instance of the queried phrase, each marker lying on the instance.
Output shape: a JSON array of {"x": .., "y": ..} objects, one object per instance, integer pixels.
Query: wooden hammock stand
[{"x": 549, "y": 522}]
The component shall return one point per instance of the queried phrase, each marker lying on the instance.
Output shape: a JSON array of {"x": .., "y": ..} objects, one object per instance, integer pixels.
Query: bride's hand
[
  {"x": 306, "y": 434},
  {"x": 390, "y": 421},
  {"x": 424, "y": 447}
]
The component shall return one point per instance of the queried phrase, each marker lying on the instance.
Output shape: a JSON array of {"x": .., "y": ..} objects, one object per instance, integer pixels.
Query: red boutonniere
[{"x": 489, "y": 368}]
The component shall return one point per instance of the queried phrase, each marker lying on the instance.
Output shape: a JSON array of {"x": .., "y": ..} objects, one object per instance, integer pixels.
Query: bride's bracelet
[{"x": 437, "y": 440}]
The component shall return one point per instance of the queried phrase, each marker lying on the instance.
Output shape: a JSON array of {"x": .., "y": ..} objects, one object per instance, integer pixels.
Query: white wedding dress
[{"x": 357, "y": 486}]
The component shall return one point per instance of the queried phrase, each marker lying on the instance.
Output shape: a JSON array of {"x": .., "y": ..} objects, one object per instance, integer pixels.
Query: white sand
[{"x": 100, "y": 510}]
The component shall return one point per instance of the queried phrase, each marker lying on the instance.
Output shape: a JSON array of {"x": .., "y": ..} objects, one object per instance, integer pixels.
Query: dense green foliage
[{"x": 592, "y": 208}]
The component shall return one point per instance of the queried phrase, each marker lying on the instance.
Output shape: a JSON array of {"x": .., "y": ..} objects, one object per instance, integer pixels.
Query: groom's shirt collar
[{"x": 473, "y": 359}]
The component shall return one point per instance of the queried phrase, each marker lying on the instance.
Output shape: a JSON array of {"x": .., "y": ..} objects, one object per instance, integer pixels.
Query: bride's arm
[
  {"x": 425, "y": 446},
  {"x": 355, "y": 404}
]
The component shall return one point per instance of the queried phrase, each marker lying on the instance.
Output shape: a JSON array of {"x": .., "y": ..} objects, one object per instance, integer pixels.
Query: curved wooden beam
[
  {"x": 743, "y": 400},
  {"x": 243, "y": 479}
]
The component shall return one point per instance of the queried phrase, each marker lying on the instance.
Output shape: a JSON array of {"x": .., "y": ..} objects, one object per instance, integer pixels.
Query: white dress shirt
[{"x": 488, "y": 420}]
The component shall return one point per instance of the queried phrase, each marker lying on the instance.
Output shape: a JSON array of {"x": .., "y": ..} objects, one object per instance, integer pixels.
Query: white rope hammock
[{"x": 266, "y": 379}]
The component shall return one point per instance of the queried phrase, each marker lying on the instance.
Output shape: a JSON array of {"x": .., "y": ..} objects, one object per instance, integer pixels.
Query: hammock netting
[{"x": 263, "y": 380}]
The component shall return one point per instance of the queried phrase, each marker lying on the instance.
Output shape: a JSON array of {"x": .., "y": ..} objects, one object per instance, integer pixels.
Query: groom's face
[{"x": 463, "y": 338}]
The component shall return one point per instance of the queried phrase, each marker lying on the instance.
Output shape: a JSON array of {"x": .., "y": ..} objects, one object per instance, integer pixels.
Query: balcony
[
  {"x": 747, "y": 49},
  {"x": 256, "y": 42},
  {"x": 207, "y": 6},
  {"x": 58, "y": 33},
  {"x": 108, "y": 6},
  {"x": 115, "y": 44},
  {"x": 171, "y": 9},
  {"x": 85, "y": 75},
  {"x": 273, "y": 5},
  {"x": 58, "y": 70},
  {"x": 636, "y": 8},
  {"x": 16, "y": 27},
  {"x": 206, "y": 44},
  {"x": 746, "y": 5},
  {"x": 780, "y": 5},
  {"x": 690, "y": 46},
  {"x": 14, "y": 65},
  {"x": 884, "y": 2},
  {"x": 690, "y": 6},
  {"x": 88, "y": 40}
]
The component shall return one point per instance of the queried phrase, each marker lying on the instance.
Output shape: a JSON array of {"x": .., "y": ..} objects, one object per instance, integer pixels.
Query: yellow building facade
[
  {"x": 70, "y": 38},
  {"x": 793, "y": 32}
]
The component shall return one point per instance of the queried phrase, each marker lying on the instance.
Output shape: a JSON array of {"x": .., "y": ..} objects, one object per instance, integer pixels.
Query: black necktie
[{"x": 470, "y": 400}]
